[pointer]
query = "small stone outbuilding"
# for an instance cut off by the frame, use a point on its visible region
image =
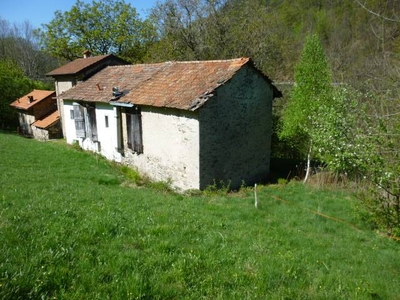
(191, 123)
(38, 115)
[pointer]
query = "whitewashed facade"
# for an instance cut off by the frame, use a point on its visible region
(106, 123)
(170, 147)
(170, 141)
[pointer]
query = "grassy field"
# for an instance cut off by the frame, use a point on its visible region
(71, 227)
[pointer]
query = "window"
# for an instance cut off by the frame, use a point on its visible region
(106, 121)
(85, 121)
(134, 128)
(71, 114)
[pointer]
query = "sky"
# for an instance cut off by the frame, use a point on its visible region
(42, 11)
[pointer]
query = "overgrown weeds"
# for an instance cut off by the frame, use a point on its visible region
(377, 206)
(323, 178)
(133, 178)
(217, 188)
(382, 209)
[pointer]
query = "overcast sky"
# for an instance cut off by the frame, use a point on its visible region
(42, 11)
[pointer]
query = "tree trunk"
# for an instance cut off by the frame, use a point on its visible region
(308, 164)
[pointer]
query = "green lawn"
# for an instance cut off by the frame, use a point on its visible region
(72, 228)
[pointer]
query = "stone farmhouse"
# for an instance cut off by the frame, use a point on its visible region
(190, 123)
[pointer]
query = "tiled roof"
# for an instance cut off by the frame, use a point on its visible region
(98, 88)
(79, 65)
(182, 85)
(38, 95)
(47, 121)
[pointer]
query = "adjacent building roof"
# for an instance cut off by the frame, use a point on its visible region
(181, 85)
(48, 121)
(31, 99)
(82, 64)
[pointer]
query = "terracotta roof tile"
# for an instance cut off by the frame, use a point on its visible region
(182, 85)
(47, 121)
(80, 65)
(38, 95)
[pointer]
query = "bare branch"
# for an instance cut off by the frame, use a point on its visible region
(376, 14)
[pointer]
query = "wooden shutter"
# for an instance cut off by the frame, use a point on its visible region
(137, 132)
(79, 120)
(130, 131)
(92, 123)
(134, 128)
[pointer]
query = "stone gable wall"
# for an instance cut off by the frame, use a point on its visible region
(235, 131)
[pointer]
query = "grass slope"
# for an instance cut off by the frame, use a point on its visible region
(70, 230)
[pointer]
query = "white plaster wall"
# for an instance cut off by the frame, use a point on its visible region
(107, 135)
(170, 143)
(63, 85)
(106, 144)
(69, 132)
(170, 147)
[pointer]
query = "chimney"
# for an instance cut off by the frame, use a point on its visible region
(86, 54)
(30, 99)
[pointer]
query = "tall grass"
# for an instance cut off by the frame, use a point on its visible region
(71, 228)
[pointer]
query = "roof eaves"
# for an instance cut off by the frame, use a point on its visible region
(200, 101)
(47, 125)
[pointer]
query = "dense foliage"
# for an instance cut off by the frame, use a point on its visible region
(13, 84)
(103, 27)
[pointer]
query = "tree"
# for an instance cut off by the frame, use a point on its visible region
(184, 28)
(13, 84)
(104, 27)
(381, 83)
(17, 42)
(221, 29)
(313, 90)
